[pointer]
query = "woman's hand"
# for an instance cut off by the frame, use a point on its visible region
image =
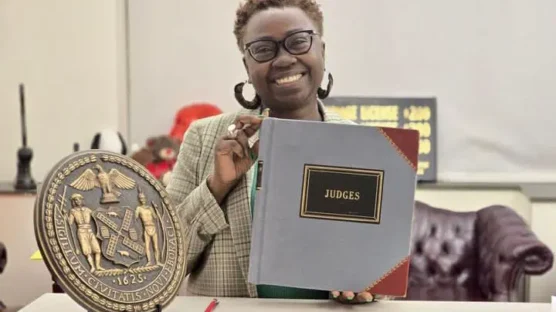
(351, 297)
(233, 156)
(249, 125)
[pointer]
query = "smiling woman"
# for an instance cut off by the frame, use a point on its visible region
(284, 59)
(283, 55)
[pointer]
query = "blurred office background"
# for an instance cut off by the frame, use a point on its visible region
(130, 66)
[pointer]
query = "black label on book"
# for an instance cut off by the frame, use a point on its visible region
(259, 174)
(343, 194)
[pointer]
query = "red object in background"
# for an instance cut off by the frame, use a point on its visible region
(189, 113)
(159, 168)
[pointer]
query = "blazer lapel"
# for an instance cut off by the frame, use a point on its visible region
(239, 215)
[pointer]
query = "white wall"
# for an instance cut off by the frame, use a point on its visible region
(71, 57)
(180, 52)
(490, 63)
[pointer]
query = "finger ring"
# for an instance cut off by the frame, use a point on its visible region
(232, 130)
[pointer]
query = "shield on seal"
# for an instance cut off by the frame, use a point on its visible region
(109, 234)
(116, 229)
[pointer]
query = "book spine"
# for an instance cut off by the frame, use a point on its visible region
(262, 195)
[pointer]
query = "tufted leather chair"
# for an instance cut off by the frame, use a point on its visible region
(472, 256)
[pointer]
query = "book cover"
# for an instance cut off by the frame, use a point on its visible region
(334, 206)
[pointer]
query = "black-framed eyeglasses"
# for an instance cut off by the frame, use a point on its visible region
(297, 43)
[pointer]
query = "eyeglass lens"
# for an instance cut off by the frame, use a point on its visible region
(295, 44)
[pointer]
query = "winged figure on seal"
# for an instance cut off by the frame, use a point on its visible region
(106, 181)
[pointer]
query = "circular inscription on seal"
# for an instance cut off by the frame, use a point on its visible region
(109, 234)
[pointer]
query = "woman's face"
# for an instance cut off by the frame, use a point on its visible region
(284, 80)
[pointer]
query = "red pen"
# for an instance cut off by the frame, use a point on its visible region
(212, 305)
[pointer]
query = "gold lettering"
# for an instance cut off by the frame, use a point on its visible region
(166, 274)
(347, 111)
(424, 128)
(63, 240)
(130, 279)
(422, 167)
(170, 232)
(417, 113)
(94, 283)
(127, 297)
(122, 297)
(114, 294)
(379, 112)
(79, 270)
(153, 289)
(137, 296)
(424, 146)
(103, 289)
(385, 124)
(172, 245)
(73, 259)
(159, 282)
(59, 221)
(75, 264)
(339, 194)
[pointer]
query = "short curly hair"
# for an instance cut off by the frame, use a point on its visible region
(250, 7)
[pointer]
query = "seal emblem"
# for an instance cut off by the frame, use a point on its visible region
(109, 234)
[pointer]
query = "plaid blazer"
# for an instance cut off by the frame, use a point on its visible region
(217, 237)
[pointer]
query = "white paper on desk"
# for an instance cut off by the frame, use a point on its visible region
(553, 309)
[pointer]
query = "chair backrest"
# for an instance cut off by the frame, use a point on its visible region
(443, 255)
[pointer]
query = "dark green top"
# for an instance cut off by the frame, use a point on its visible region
(269, 291)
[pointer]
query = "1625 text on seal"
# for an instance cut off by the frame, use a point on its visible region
(109, 234)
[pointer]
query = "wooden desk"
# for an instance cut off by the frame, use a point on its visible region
(63, 303)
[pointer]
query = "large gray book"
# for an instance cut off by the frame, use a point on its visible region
(334, 206)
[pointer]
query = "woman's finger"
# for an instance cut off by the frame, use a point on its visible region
(347, 295)
(364, 297)
(243, 141)
(249, 123)
(235, 147)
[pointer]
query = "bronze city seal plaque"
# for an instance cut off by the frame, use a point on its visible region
(109, 234)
